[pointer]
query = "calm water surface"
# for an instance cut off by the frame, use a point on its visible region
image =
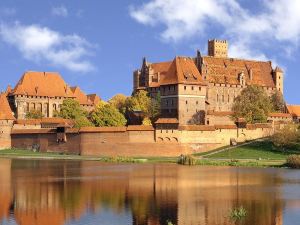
(36, 192)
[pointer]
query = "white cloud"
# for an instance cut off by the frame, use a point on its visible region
(277, 21)
(38, 43)
(60, 11)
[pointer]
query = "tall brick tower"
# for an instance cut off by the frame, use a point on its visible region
(218, 48)
(278, 78)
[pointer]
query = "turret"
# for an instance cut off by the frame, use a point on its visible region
(278, 78)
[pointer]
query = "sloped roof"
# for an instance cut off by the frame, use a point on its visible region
(95, 99)
(161, 69)
(5, 110)
(294, 110)
(42, 84)
(80, 96)
(182, 70)
(227, 70)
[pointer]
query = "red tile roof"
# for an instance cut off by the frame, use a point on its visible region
(139, 128)
(167, 120)
(53, 120)
(33, 131)
(227, 70)
(294, 110)
(42, 84)
(5, 110)
(197, 128)
(95, 99)
(102, 129)
(80, 96)
(225, 126)
(278, 114)
(182, 70)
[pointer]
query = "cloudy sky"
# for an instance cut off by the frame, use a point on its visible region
(97, 44)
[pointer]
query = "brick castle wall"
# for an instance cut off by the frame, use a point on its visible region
(143, 143)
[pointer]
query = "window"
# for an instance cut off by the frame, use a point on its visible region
(222, 98)
(186, 102)
(172, 103)
(167, 103)
(228, 98)
(192, 88)
(217, 97)
(184, 87)
(199, 88)
(197, 102)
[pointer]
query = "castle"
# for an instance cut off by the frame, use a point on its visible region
(45, 92)
(195, 90)
(197, 94)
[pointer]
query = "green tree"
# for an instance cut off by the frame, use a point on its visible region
(253, 104)
(71, 109)
(34, 114)
(278, 102)
(287, 137)
(106, 115)
(141, 101)
(119, 102)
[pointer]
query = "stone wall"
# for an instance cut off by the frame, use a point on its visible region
(5, 131)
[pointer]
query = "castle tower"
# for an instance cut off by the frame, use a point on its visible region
(278, 78)
(218, 48)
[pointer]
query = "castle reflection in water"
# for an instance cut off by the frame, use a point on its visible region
(60, 192)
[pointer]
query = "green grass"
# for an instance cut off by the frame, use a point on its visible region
(241, 163)
(255, 150)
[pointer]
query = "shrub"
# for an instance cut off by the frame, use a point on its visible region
(287, 137)
(187, 160)
(293, 161)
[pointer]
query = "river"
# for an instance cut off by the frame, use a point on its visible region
(42, 192)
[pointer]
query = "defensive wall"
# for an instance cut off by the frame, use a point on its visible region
(144, 141)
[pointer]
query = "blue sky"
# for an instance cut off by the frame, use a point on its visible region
(97, 44)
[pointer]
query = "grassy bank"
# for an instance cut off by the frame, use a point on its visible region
(256, 154)
(28, 154)
(262, 150)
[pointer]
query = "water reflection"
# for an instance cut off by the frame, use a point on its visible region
(71, 192)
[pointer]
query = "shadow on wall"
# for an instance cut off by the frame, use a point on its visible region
(198, 118)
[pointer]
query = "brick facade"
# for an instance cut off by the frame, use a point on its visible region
(212, 81)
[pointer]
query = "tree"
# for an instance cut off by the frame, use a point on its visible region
(253, 104)
(119, 102)
(71, 109)
(287, 137)
(106, 115)
(141, 102)
(34, 114)
(278, 102)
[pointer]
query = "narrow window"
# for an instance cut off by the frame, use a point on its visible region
(192, 88)
(184, 87)
(186, 102)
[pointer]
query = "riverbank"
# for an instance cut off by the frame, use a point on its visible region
(260, 153)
